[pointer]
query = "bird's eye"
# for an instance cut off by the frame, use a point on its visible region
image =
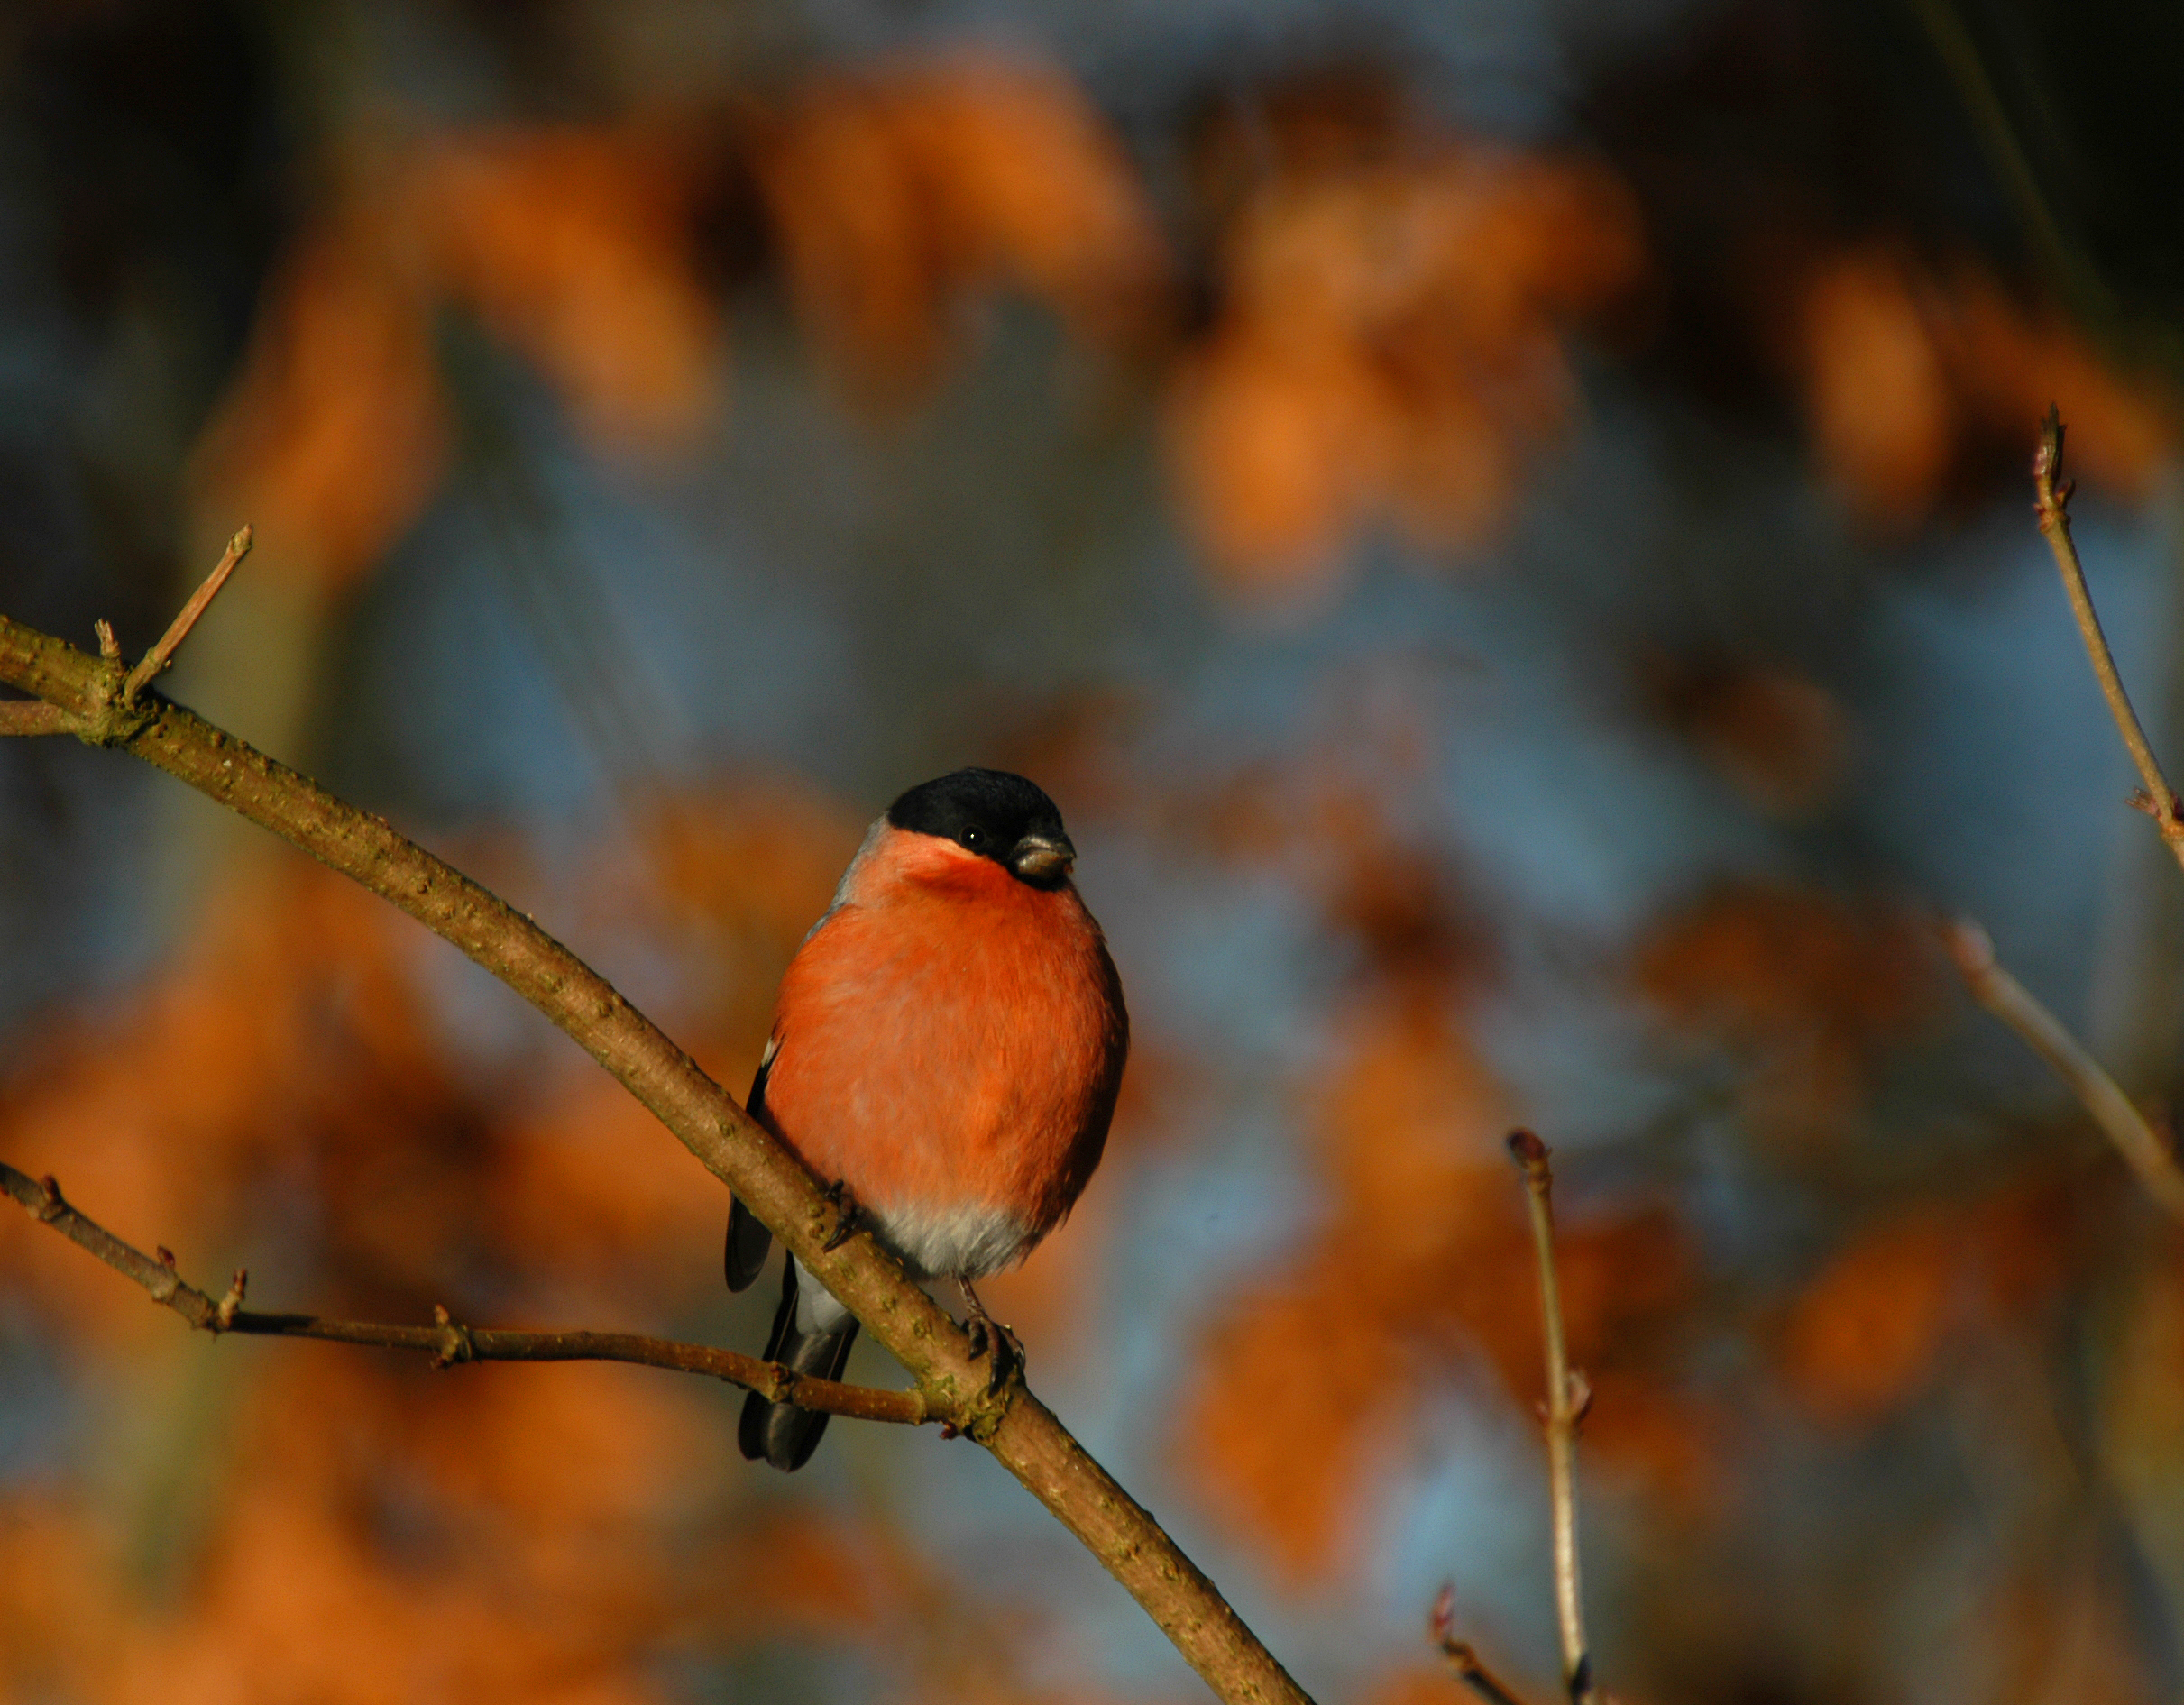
(974, 838)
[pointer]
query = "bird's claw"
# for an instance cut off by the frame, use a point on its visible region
(848, 1217)
(989, 1337)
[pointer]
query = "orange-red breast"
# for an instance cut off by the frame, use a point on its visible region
(947, 1046)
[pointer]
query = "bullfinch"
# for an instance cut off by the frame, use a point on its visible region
(946, 1050)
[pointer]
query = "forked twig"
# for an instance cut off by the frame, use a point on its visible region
(2125, 1125)
(1463, 1659)
(157, 660)
(2052, 493)
(446, 1341)
(1568, 1397)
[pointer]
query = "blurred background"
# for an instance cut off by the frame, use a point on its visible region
(1505, 528)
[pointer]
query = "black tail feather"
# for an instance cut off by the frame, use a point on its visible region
(781, 1432)
(747, 1242)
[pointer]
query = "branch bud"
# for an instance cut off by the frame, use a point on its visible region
(456, 1343)
(225, 1310)
(1441, 1622)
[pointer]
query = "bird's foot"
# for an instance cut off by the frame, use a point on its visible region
(989, 1337)
(849, 1216)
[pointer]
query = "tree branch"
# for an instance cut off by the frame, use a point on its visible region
(447, 1341)
(1568, 1397)
(1020, 1431)
(2052, 492)
(157, 660)
(2112, 1110)
(1462, 1661)
(31, 716)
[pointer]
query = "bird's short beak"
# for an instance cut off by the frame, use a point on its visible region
(1042, 859)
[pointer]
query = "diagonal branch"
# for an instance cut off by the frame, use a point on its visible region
(446, 1341)
(2123, 1124)
(2052, 493)
(1020, 1431)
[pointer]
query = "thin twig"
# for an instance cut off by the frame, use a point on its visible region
(446, 1341)
(1567, 1400)
(2052, 492)
(1463, 1659)
(2125, 1125)
(156, 661)
(1023, 1435)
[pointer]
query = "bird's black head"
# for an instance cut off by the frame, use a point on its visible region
(997, 815)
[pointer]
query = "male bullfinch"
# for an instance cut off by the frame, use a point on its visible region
(947, 1046)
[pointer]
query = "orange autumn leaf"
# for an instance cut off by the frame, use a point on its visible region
(1757, 963)
(2024, 1236)
(1031, 188)
(1410, 1130)
(805, 1572)
(348, 1563)
(509, 1444)
(1907, 369)
(740, 874)
(1307, 1381)
(295, 1601)
(1388, 350)
(1812, 986)
(1301, 1388)
(1773, 733)
(575, 245)
(289, 1591)
(898, 196)
(292, 1010)
(585, 1192)
(1615, 1271)
(846, 202)
(2012, 363)
(1864, 1333)
(334, 432)
(63, 1618)
(1878, 398)
(1864, 1330)
(1291, 1408)
(1279, 450)
(1307, 1386)
(1642, 1428)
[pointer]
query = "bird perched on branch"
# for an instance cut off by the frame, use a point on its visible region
(946, 1050)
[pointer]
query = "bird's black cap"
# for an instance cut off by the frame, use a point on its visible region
(997, 815)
